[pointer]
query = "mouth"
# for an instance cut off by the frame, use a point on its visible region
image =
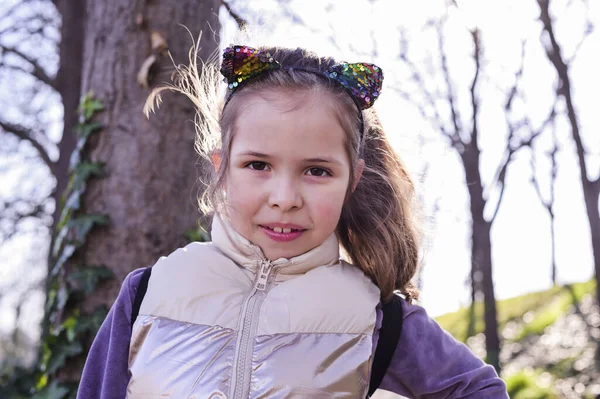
(284, 230)
(282, 233)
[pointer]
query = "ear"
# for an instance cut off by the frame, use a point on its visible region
(216, 159)
(358, 171)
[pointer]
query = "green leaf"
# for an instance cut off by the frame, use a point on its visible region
(46, 356)
(73, 203)
(84, 171)
(64, 256)
(89, 106)
(69, 326)
(80, 226)
(86, 278)
(93, 321)
(42, 382)
(68, 190)
(58, 241)
(52, 391)
(81, 172)
(85, 130)
(50, 300)
(61, 352)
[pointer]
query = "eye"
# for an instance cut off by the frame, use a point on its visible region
(318, 172)
(257, 165)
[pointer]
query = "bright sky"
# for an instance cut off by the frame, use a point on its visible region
(521, 240)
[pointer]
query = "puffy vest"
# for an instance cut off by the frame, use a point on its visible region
(219, 320)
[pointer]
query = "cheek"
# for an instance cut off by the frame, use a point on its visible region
(241, 194)
(328, 207)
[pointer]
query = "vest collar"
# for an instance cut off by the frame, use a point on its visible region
(249, 256)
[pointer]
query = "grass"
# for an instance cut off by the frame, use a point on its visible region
(547, 305)
(527, 385)
(547, 315)
(564, 368)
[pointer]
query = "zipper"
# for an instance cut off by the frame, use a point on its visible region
(248, 325)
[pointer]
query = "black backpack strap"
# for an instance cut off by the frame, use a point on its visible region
(389, 335)
(139, 294)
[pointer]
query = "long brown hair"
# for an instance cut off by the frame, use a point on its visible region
(377, 228)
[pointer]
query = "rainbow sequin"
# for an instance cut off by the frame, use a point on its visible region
(241, 63)
(361, 80)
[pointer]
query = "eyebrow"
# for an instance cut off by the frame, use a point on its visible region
(265, 156)
(254, 154)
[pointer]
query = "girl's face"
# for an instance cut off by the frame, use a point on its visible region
(288, 172)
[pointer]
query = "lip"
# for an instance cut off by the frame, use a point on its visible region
(283, 225)
(282, 237)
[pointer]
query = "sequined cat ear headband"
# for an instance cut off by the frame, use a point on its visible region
(361, 81)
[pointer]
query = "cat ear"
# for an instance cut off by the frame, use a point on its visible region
(362, 81)
(241, 63)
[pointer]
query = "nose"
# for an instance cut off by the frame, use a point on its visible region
(285, 194)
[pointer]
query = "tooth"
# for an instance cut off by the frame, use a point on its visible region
(277, 229)
(286, 230)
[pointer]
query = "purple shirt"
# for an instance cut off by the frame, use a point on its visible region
(428, 363)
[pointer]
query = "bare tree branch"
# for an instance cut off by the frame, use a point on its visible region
(453, 137)
(450, 94)
(435, 121)
(518, 76)
(511, 146)
(555, 56)
(500, 176)
(465, 141)
(501, 182)
(16, 210)
(241, 22)
(553, 173)
(473, 88)
(589, 29)
(38, 72)
(548, 204)
(23, 25)
(26, 135)
(591, 188)
(297, 19)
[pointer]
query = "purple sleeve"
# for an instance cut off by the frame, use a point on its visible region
(430, 364)
(106, 375)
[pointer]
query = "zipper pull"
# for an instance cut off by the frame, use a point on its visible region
(263, 275)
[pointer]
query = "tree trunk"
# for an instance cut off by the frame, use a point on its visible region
(553, 242)
(592, 198)
(474, 289)
(149, 192)
(591, 188)
(68, 82)
(482, 251)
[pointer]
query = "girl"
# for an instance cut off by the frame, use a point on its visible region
(301, 165)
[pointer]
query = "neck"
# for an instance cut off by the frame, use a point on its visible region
(249, 256)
